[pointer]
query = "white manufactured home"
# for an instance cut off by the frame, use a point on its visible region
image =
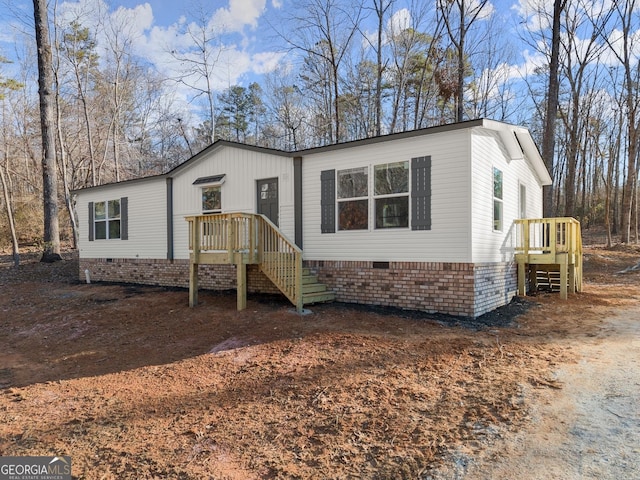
(422, 220)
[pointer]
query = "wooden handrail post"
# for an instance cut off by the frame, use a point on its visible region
(230, 237)
(252, 238)
(298, 277)
(193, 264)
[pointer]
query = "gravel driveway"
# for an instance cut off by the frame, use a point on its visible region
(587, 429)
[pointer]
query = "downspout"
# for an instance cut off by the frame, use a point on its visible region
(170, 218)
(297, 199)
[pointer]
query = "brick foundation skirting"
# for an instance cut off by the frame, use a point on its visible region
(461, 289)
(172, 273)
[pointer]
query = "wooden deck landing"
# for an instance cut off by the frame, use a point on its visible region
(244, 239)
(549, 244)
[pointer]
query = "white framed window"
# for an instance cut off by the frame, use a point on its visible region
(399, 196)
(497, 200)
(106, 220)
(212, 199)
(353, 198)
(391, 195)
(211, 192)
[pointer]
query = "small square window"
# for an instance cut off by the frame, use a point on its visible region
(353, 215)
(211, 199)
(114, 208)
(353, 183)
(392, 212)
(391, 178)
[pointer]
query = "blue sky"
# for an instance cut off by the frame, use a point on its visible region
(158, 28)
(251, 46)
(244, 27)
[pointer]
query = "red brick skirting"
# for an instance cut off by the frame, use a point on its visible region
(462, 289)
(169, 273)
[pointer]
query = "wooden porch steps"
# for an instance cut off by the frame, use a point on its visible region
(313, 291)
(244, 239)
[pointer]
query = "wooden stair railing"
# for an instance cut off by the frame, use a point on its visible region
(280, 261)
(549, 242)
(241, 239)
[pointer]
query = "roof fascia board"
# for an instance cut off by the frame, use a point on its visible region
(107, 186)
(220, 144)
(394, 136)
(518, 139)
(533, 156)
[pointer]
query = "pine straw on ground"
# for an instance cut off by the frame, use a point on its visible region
(131, 383)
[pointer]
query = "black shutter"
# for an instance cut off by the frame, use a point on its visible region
(91, 233)
(421, 193)
(328, 201)
(124, 218)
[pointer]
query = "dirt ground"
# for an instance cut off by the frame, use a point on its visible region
(131, 383)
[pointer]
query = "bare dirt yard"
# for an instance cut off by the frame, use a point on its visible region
(132, 383)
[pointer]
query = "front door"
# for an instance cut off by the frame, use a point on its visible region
(268, 199)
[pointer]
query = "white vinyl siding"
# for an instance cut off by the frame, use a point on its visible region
(146, 220)
(448, 240)
(242, 168)
(490, 245)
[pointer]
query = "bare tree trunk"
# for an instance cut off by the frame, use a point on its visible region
(381, 7)
(634, 211)
(12, 226)
(460, 70)
(63, 152)
(51, 252)
(549, 133)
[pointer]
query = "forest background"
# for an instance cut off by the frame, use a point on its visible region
(133, 99)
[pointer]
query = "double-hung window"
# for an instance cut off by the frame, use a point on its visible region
(497, 200)
(353, 199)
(397, 196)
(391, 193)
(106, 220)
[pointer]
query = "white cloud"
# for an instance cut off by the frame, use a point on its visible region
(486, 10)
(399, 21)
(617, 45)
(139, 18)
(535, 13)
(266, 62)
(531, 63)
(238, 15)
